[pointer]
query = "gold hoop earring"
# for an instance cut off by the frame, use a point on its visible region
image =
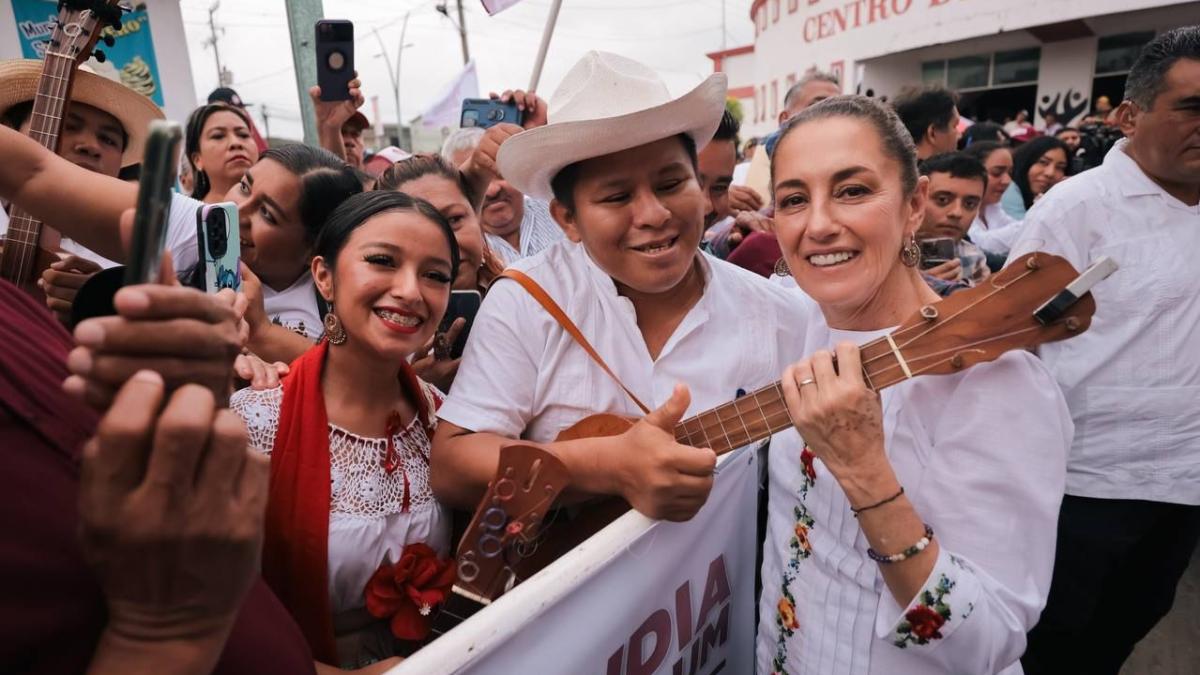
(333, 329)
(910, 253)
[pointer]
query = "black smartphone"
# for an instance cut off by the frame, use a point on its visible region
(936, 251)
(335, 58)
(486, 112)
(153, 201)
(463, 304)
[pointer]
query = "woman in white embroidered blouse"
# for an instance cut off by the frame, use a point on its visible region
(859, 575)
(350, 428)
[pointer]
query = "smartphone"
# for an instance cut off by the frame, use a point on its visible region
(153, 201)
(936, 251)
(486, 112)
(220, 246)
(463, 304)
(335, 58)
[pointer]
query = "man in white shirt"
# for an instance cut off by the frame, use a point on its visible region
(515, 225)
(1131, 518)
(619, 162)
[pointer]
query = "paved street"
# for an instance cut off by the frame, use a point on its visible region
(1174, 646)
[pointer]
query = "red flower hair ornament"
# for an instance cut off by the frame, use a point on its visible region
(406, 592)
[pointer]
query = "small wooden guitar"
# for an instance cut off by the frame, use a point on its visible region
(507, 543)
(29, 247)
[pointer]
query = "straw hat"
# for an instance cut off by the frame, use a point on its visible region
(605, 104)
(19, 81)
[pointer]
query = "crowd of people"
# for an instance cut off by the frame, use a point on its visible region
(268, 480)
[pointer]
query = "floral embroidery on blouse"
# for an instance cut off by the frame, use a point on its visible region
(801, 549)
(924, 620)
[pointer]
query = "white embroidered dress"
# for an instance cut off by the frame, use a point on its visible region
(366, 522)
(982, 457)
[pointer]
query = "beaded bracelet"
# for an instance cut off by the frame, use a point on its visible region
(907, 553)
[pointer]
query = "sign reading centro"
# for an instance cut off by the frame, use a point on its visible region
(833, 17)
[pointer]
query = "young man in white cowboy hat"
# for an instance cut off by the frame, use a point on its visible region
(617, 162)
(103, 130)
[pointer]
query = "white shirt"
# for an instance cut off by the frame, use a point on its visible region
(998, 233)
(538, 230)
(1132, 380)
(981, 455)
(523, 376)
(295, 308)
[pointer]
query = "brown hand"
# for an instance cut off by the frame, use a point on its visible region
(659, 477)
(62, 281)
(183, 334)
(743, 198)
(171, 508)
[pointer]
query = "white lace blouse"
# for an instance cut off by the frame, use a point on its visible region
(366, 524)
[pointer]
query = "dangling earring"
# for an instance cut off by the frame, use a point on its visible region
(781, 268)
(910, 253)
(333, 328)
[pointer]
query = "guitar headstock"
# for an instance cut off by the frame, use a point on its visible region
(79, 25)
(980, 324)
(506, 524)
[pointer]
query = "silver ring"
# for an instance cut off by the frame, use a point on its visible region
(808, 381)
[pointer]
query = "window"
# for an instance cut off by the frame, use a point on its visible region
(1115, 54)
(1019, 66)
(967, 72)
(933, 72)
(983, 71)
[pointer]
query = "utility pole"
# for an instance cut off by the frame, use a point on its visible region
(266, 122)
(462, 33)
(394, 73)
(302, 17)
(461, 25)
(212, 40)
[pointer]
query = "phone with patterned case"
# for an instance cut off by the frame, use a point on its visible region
(219, 239)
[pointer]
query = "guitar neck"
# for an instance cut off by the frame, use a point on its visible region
(26, 233)
(761, 413)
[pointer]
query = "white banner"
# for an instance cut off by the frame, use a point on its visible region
(448, 108)
(641, 597)
(497, 6)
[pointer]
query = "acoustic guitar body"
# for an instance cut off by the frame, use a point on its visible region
(26, 279)
(596, 426)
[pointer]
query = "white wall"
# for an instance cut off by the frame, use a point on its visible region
(1065, 80)
(794, 36)
(170, 51)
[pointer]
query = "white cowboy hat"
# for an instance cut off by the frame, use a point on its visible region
(605, 104)
(19, 82)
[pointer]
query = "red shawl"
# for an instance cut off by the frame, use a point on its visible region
(296, 547)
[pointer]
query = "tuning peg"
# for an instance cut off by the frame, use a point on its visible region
(99, 56)
(109, 40)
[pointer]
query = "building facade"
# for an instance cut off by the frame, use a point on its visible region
(1041, 56)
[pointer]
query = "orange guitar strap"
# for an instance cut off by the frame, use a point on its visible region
(563, 320)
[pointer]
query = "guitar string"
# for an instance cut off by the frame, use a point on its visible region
(925, 357)
(59, 69)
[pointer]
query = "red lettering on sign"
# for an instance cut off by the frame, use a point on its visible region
(657, 625)
(876, 11)
(716, 590)
(683, 612)
(808, 24)
(614, 662)
(716, 634)
(900, 6)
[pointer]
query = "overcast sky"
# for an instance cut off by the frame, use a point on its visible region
(670, 35)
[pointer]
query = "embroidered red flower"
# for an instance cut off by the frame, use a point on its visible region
(802, 536)
(406, 592)
(806, 460)
(925, 622)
